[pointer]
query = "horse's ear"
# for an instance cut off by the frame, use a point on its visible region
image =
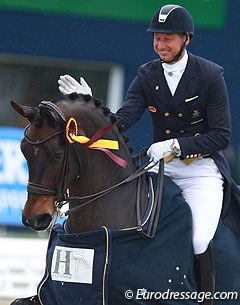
(25, 111)
(50, 116)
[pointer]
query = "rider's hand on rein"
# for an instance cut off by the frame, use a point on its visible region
(163, 149)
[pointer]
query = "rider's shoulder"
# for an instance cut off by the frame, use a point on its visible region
(204, 64)
(150, 66)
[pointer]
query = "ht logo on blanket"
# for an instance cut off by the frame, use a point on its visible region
(73, 265)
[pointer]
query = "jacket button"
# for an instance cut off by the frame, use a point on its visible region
(166, 114)
(187, 156)
(191, 156)
(195, 155)
(167, 131)
(181, 131)
(180, 115)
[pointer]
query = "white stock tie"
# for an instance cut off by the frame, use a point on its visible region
(171, 72)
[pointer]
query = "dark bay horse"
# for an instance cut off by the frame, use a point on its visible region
(75, 153)
(55, 167)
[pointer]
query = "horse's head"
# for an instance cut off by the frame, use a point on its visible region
(54, 164)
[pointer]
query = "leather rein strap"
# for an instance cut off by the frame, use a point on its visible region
(154, 217)
(61, 191)
(140, 175)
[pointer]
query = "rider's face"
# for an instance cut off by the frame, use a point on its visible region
(167, 46)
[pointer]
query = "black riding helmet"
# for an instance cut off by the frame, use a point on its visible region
(172, 19)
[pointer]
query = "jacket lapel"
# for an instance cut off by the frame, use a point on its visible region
(187, 85)
(185, 89)
(160, 88)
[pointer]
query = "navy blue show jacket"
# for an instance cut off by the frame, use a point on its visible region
(198, 115)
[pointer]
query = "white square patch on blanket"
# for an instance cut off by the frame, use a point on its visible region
(73, 265)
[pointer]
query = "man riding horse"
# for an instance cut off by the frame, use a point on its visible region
(187, 98)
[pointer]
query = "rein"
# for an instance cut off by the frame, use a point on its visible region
(139, 172)
(63, 198)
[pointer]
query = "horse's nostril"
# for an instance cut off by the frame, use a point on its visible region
(44, 219)
(38, 223)
(25, 221)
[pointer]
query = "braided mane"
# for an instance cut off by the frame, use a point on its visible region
(98, 104)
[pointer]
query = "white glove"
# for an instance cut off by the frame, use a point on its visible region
(162, 149)
(67, 85)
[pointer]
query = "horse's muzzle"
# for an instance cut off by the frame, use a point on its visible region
(38, 223)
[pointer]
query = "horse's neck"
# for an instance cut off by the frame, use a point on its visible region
(116, 210)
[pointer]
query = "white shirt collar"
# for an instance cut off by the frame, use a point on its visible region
(179, 65)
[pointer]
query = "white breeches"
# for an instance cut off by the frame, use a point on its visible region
(201, 184)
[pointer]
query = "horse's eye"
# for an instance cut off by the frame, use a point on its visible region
(58, 157)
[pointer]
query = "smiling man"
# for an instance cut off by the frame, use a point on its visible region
(187, 98)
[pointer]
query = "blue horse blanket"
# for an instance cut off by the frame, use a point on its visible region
(106, 267)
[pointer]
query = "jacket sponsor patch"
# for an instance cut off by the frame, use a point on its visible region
(152, 109)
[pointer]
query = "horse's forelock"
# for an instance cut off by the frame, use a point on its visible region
(39, 118)
(38, 121)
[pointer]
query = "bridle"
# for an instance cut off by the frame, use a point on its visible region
(36, 188)
(40, 189)
(38, 142)
(61, 194)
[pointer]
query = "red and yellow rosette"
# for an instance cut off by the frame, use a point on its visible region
(95, 142)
